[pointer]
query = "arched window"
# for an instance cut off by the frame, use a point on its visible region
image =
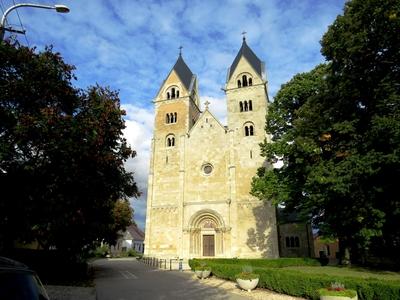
(292, 242)
(173, 93)
(250, 105)
(241, 105)
(239, 84)
(250, 81)
(170, 141)
(248, 129)
(244, 79)
(171, 118)
(246, 108)
(177, 94)
(168, 95)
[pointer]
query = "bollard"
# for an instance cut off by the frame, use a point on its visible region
(180, 265)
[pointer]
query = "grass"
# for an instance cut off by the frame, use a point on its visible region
(347, 272)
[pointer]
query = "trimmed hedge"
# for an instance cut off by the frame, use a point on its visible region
(262, 263)
(304, 284)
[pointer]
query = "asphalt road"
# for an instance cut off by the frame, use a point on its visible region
(130, 279)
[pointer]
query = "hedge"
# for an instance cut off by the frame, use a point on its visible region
(304, 284)
(269, 263)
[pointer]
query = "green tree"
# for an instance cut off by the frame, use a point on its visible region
(61, 154)
(337, 129)
(123, 215)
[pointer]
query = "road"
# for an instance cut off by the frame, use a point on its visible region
(129, 279)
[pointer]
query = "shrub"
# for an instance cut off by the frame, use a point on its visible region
(303, 284)
(247, 273)
(341, 293)
(101, 251)
(270, 263)
(134, 253)
(202, 266)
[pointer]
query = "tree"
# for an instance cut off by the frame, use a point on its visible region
(338, 131)
(61, 154)
(123, 215)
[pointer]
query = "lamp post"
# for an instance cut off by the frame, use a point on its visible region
(58, 7)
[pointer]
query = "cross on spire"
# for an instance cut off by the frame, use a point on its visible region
(180, 50)
(244, 35)
(206, 104)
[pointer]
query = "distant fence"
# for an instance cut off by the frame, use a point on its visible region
(164, 263)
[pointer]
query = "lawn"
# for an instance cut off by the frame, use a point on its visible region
(347, 272)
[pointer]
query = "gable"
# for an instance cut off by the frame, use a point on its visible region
(207, 124)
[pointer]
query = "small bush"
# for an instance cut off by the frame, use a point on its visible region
(247, 276)
(134, 253)
(101, 251)
(202, 266)
(341, 293)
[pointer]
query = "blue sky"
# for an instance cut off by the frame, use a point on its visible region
(131, 46)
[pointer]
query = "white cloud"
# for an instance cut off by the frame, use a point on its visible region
(138, 133)
(217, 107)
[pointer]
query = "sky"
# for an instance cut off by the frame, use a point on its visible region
(130, 46)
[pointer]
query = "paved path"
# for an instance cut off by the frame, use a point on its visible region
(129, 279)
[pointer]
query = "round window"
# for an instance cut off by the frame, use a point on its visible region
(207, 169)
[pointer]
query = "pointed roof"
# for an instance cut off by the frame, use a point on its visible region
(135, 232)
(247, 53)
(183, 71)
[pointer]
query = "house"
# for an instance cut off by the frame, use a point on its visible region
(134, 238)
(131, 238)
(295, 235)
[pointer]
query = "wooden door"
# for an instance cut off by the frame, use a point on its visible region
(208, 245)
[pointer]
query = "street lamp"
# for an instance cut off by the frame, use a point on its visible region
(58, 7)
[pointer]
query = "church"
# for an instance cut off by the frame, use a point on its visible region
(198, 202)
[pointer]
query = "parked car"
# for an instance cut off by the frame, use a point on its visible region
(18, 282)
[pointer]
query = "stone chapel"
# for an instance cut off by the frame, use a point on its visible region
(198, 202)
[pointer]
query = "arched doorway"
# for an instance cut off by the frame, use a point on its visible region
(206, 234)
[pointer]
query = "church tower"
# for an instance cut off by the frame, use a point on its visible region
(199, 202)
(176, 110)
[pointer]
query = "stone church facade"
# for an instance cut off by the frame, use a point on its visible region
(198, 202)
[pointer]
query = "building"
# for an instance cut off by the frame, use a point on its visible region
(326, 247)
(134, 238)
(295, 235)
(198, 201)
(131, 238)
